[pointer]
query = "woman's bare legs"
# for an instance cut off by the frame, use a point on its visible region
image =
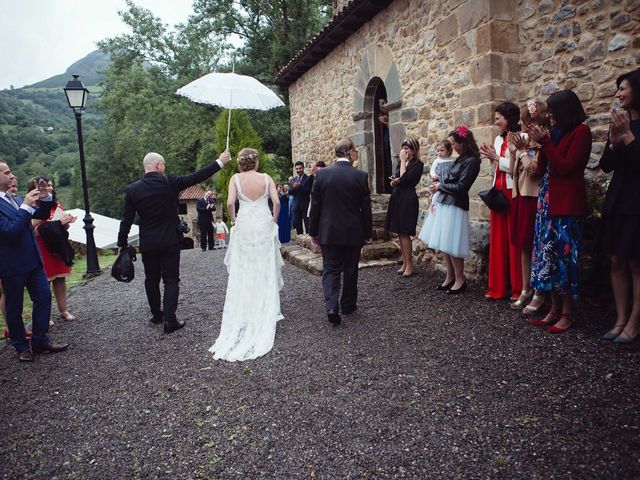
(406, 247)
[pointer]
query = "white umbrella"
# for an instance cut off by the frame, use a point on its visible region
(231, 91)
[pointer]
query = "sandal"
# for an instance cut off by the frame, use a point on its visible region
(528, 310)
(67, 317)
(524, 297)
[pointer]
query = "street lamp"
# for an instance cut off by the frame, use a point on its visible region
(77, 96)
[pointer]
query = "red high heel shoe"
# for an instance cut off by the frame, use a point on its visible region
(556, 329)
(552, 317)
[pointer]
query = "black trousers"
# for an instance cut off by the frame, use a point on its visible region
(206, 235)
(340, 260)
(162, 263)
(298, 220)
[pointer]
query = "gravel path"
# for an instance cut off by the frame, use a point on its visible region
(417, 384)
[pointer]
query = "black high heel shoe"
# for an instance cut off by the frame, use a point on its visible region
(446, 287)
(457, 291)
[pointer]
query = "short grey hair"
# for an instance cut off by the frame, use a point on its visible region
(343, 147)
(151, 159)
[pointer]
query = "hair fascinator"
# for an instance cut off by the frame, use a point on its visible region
(462, 131)
(533, 108)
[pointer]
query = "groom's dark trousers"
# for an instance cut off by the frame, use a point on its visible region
(341, 220)
(155, 199)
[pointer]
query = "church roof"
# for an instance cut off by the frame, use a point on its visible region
(192, 193)
(346, 22)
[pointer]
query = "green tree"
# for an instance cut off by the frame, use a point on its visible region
(241, 135)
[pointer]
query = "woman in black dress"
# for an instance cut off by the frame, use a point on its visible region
(622, 208)
(402, 214)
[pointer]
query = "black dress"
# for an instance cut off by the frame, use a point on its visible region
(621, 219)
(402, 214)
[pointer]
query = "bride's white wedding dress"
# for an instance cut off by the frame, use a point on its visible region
(252, 302)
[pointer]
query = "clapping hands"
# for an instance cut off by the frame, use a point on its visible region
(489, 152)
(516, 141)
(620, 126)
(66, 219)
(537, 133)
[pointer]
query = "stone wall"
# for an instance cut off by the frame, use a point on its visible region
(446, 62)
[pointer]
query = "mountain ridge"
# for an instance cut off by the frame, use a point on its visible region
(89, 68)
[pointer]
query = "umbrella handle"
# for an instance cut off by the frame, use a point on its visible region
(228, 126)
(233, 70)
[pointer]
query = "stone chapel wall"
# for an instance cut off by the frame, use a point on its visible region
(454, 61)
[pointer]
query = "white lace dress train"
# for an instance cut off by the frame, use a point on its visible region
(252, 302)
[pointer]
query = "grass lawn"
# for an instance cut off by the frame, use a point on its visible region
(79, 269)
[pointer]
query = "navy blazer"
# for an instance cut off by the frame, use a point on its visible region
(341, 206)
(19, 251)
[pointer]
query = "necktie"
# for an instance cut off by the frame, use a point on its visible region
(12, 200)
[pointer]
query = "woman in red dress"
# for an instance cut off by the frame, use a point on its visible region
(505, 267)
(55, 269)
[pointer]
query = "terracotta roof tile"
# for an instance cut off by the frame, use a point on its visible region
(192, 193)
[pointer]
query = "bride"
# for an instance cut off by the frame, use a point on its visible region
(253, 260)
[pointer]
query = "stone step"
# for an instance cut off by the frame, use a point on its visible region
(302, 254)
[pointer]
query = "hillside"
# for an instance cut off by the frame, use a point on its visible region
(37, 127)
(89, 68)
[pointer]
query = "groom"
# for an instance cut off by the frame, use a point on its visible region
(340, 221)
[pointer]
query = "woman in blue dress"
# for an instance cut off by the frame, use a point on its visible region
(284, 220)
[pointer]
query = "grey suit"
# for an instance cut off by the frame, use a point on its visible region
(341, 219)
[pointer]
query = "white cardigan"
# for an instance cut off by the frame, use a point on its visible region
(503, 163)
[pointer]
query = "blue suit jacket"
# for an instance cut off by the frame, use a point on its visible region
(19, 251)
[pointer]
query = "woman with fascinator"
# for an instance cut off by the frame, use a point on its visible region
(450, 230)
(523, 162)
(402, 213)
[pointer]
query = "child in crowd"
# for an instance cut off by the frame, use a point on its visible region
(439, 170)
(221, 233)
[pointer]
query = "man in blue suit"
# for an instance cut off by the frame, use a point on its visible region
(21, 267)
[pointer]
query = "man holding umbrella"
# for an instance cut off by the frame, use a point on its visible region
(155, 199)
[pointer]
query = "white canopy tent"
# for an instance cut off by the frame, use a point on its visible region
(105, 233)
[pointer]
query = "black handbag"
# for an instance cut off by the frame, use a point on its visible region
(122, 269)
(494, 199)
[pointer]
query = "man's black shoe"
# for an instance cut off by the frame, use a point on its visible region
(156, 320)
(50, 348)
(350, 310)
(25, 356)
(334, 318)
(173, 326)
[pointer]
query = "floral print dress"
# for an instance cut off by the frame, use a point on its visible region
(557, 248)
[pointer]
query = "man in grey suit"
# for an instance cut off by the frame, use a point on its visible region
(340, 221)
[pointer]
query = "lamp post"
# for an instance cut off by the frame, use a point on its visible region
(77, 96)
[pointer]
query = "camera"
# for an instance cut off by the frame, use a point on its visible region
(182, 226)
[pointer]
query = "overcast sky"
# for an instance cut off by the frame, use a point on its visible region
(41, 38)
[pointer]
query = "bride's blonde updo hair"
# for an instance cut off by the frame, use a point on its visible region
(247, 159)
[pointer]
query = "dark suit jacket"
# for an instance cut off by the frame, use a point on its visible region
(19, 252)
(341, 206)
(154, 197)
(204, 214)
(302, 194)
